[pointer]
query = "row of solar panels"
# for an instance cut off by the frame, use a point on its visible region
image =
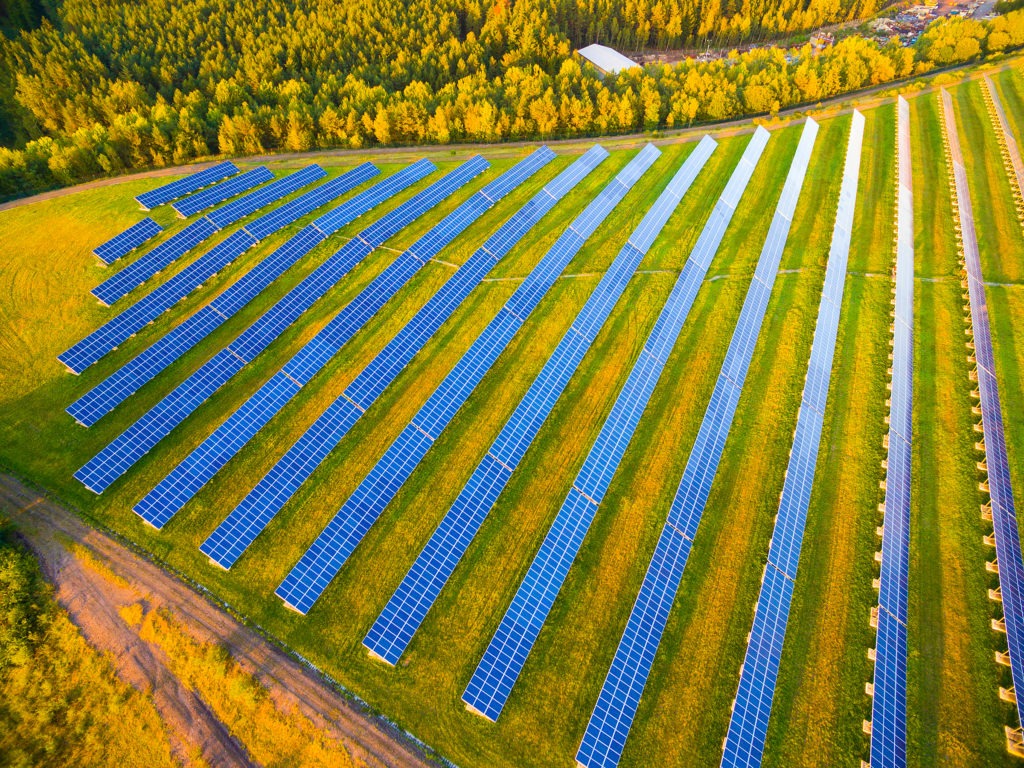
(391, 633)
(748, 724)
(1007, 142)
(1002, 505)
(137, 234)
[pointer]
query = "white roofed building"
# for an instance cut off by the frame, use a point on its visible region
(606, 59)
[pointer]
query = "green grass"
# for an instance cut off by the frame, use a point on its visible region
(47, 271)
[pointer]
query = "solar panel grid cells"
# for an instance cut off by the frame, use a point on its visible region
(454, 390)
(888, 709)
(127, 241)
(149, 264)
(616, 707)
(748, 725)
(140, 441)
(271, 193)
(444, 550)
(345, 214)
(327, 342)
(1002, 504)
(1012, 149)
(126, 380)
(190, 183)
(208, 198)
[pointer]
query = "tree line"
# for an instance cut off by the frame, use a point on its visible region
(107, 87)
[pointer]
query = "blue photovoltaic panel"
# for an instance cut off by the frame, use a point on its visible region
(264, 196)
(321, 562)
(138, 272)
(132, 444)
(748, 725)
(126, 380)
(127, 241)
(889, 703)
(1006, 135)
(190, 183)
(259, 507)
(393, 630)
(1003, 506)
(207, 459)
(496, 674)
(116, 330)
(147, 265)
(613, 715)
(208, 198)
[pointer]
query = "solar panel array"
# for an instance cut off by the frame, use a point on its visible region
(137, 440)
(613, 715)
(498, 670)
(889, 707)
(190, 183)
(1007, 144)
(324, 558)
(127, 241)
(748, 725)
(218, 193)
(246, 522)
(129, 321)
(1003, 506)
(393, 630)
(113, 390)
(136, 273)
(213, 453)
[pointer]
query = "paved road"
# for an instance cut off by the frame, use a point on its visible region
(93, 600)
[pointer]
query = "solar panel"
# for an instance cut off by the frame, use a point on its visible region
(113, 390)
(321, 562)
(260, 506)
(116, 330)
(1007, 142)
(190, 183)
(207, 459)
(218, 193)
(127, 241)
(519, 628)
(889, 705)
(617, 703)
(137, 440)
(138, 272)
(1000, 488)
(271, 193)
(393, 630)
(748, 725)
(147, 265)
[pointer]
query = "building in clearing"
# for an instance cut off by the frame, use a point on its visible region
(606, 59)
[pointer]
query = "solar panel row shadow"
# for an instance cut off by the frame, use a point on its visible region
(324, 558)
(218, 193)
(127, 241)
(547, 572)
(213, 453)
(181, 187)
(126, 380)
(609, 725)
(748, 725)
(1001, 499)
(393, 630)
(246, 522)
(139, 271)
(139, 438)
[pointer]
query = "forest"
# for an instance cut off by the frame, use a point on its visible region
(98, 88)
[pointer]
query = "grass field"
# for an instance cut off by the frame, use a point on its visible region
(955, 715)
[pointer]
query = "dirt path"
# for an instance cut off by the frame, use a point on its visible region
(93, 600)
(826, 108)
